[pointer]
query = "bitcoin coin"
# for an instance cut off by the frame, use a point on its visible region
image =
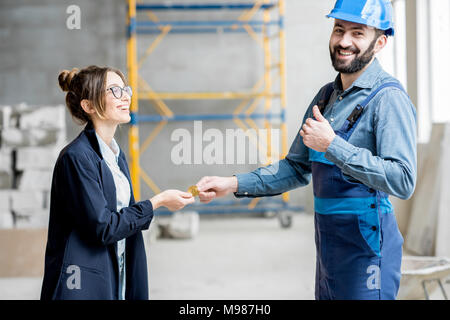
(193, 190)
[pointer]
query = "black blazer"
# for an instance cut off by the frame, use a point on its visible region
(84, 227)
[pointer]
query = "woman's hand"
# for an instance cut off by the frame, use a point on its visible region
(172, 199)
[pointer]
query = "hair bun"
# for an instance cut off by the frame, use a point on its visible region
(65, 78)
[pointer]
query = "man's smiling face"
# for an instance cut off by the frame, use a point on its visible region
(352, 46)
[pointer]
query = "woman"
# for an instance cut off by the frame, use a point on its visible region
(95, 248)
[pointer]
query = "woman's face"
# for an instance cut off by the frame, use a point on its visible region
(117, 110)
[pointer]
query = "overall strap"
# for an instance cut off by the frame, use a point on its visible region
(357, 112)
(326, 90)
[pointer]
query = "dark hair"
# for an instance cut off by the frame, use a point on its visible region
(88, 83)
(379, 32)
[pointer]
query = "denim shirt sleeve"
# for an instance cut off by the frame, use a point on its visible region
(292, 172)
(393, 168)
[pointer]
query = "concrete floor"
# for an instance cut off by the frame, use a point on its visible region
(230, 258)
(236, 258)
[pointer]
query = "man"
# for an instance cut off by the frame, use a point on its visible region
(358, 141)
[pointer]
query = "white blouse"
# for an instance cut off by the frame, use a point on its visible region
(123, 192)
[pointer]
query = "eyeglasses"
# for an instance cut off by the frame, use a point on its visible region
(118, 91)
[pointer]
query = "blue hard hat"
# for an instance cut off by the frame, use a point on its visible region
(374, 13)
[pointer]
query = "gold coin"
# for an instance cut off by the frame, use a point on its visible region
(193, 190)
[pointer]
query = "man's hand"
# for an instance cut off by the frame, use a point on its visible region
(212, 187)
(317, 134)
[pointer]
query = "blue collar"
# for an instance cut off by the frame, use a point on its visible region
(89, 132)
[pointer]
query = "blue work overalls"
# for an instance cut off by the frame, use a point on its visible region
(359, 246)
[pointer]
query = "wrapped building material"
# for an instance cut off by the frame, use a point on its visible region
(35, 180)
(42, 158)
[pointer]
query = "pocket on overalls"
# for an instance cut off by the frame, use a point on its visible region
(389, 227)
(369, 229)
(344, 238)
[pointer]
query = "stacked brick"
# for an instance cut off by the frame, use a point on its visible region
(31, 138)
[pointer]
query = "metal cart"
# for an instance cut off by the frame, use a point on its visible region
(422, 275)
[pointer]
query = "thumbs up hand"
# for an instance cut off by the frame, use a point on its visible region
(317, 134)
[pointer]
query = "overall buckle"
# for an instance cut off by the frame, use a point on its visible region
(354, 116)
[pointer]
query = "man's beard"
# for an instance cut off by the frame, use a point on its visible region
(358, 63)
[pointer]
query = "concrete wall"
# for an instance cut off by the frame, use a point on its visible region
(35, 45)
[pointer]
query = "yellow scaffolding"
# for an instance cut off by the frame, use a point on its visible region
(262, 90)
